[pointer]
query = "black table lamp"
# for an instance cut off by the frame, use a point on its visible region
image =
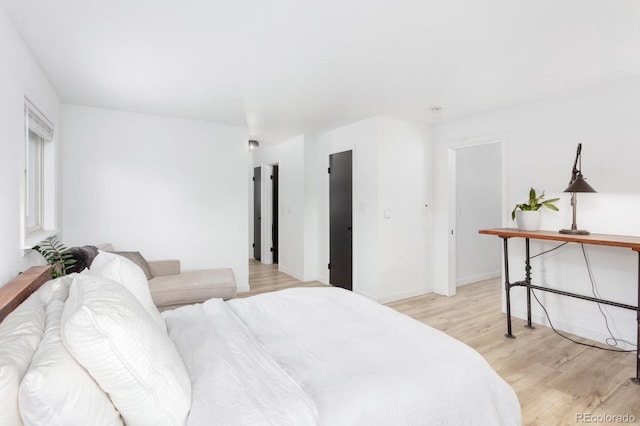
(577, 184)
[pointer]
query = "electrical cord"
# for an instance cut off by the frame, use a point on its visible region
(569, 338)
(550, 250)
(595, 294)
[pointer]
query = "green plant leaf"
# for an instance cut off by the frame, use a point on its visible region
(532, 196)
(513, 213)
(535, 203)
(56, 254)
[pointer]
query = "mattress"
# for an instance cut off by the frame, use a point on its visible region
(328, 356)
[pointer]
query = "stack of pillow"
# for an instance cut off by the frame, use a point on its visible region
(91, 348)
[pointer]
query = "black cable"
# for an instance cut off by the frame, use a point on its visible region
(597, 296)
(569, 338)
(593, 290)
(550, 250)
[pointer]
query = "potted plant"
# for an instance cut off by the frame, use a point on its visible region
(56, 254)
(528, 215)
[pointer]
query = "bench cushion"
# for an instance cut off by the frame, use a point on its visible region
(192, 287)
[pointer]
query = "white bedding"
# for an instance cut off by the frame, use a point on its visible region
(326, 355)
(234, 380)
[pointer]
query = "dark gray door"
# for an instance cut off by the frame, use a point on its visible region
(274, 227)
(257, 209)
(340, 220)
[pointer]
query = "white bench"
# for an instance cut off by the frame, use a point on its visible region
(171, 288)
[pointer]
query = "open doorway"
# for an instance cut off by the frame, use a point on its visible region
(477, 201)
(266, 219)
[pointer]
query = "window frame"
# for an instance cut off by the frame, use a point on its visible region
(39, 199)
(37, 122)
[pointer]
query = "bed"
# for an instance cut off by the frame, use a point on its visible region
(91, 348)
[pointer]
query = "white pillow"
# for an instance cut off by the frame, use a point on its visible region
(20, 333)
(111, 335)
(127, 273)
(56, 390)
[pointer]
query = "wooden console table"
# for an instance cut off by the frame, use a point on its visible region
(623, 241)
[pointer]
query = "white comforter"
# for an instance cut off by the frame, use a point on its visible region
(327, 356)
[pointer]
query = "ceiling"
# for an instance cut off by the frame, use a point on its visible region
(287, 67)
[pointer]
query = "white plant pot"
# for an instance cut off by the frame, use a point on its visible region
(528, 220)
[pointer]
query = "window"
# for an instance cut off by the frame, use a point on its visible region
(38, 173)
(34, 173)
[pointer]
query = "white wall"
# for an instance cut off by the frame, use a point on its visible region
(478, 205)
(250, 199)
(403, 186)
(290, 157)
(391, 171)
(541, 138)
(20, 76)
(169, 188)
(361, 138)
(313, 173)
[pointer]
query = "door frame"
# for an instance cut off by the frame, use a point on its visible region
(452, 208)
(267, 213)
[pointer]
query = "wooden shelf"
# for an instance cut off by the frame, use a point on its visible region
(623, 241)
(595, 239)
(18, 289)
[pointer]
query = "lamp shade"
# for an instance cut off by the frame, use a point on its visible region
(579, 185)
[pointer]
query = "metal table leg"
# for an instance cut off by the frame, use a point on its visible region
(527, 279)
(636, 379)
(507, 287)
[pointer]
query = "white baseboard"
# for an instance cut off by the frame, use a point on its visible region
(393, 297)
(478, 277)
(365, 294)
(291, 272)
(403, 295)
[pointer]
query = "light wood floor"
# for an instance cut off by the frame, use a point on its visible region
(555, 380)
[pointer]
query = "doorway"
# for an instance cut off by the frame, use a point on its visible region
(257, 213)
(477, 187)
(341, 220)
